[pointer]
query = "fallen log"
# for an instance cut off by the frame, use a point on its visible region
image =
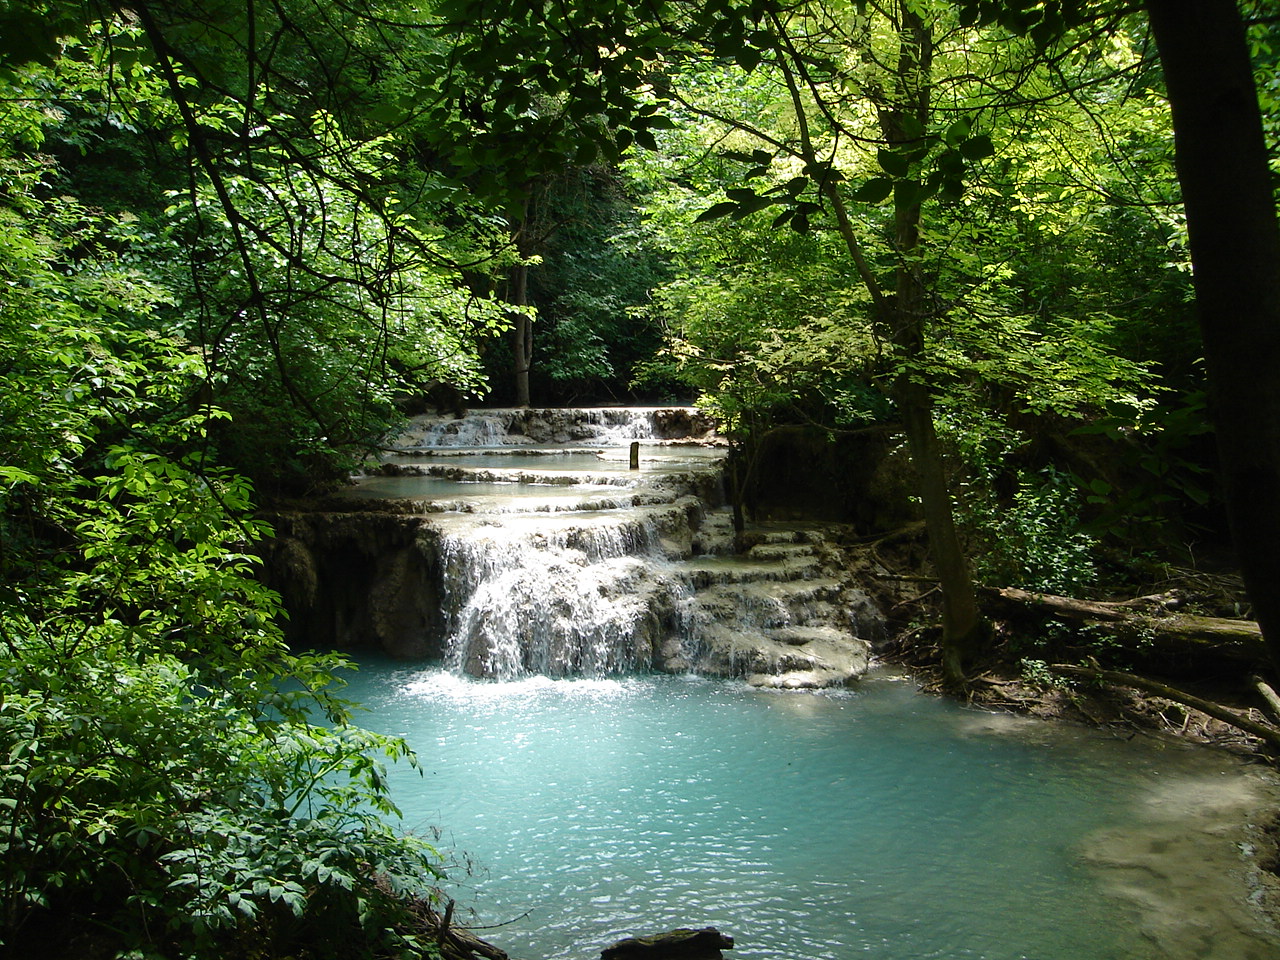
(453, 942)
(1142, 618)
(1216, 710)
(1268, 695)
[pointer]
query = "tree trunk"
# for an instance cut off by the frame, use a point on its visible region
(963, 629)
(1235, 251)
(904, 314)
(522, 333)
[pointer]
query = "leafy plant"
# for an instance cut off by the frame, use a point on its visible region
(1037, 539)
(175, 782)
(335, 303)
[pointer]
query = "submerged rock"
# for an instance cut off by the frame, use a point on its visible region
(680, 944)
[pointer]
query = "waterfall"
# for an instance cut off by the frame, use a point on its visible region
(521, 426)
(524, 598)
(538, 551)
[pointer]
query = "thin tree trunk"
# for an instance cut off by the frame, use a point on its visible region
(522, 336)
(1235, 251)
(963, 628)
(904, 314)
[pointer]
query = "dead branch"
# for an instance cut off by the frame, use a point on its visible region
(1216, 710)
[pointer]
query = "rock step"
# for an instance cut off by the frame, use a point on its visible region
(798, 636)
(703, 610)
(831, 657)
(783, 592)
(794, 533)
(705, 572)
(715, 535)
(781, 551)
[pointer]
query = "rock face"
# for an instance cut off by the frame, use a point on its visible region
(569, 563)
(801, 472)
(366, 579)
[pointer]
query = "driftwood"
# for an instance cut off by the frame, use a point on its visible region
(1142, 618)
(455, 943)
(1216, 710)
(681, 944)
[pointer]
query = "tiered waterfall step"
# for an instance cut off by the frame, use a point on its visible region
(773, 613)
(527, 551)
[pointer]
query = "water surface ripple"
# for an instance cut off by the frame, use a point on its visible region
(869, 823)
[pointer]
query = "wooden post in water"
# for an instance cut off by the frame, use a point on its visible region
(635, 454)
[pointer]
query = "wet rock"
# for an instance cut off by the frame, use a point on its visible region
(801, 680)
(357, 579)
(680, 944)
(679, 423)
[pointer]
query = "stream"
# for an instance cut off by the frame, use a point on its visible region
(606, 750)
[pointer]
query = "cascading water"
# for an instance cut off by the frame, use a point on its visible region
(552, 602)
(552, 556)
(518, 426)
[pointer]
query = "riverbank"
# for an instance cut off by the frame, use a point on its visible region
(1212, 846)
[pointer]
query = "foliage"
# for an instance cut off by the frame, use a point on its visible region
(174, 780)
(989, 232)
(1023, 267)
(308, 322)
(591, 283)
(1037, 539)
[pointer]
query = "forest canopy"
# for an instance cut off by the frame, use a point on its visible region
(239, 241)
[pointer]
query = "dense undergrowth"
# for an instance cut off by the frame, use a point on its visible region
(174, 782)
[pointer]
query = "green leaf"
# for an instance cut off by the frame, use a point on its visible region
(753, 205)
(874, 190)
(911, 128)
(722, 209)
(892, 163)
(908, 193)
(976, 148)
(957, 132)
